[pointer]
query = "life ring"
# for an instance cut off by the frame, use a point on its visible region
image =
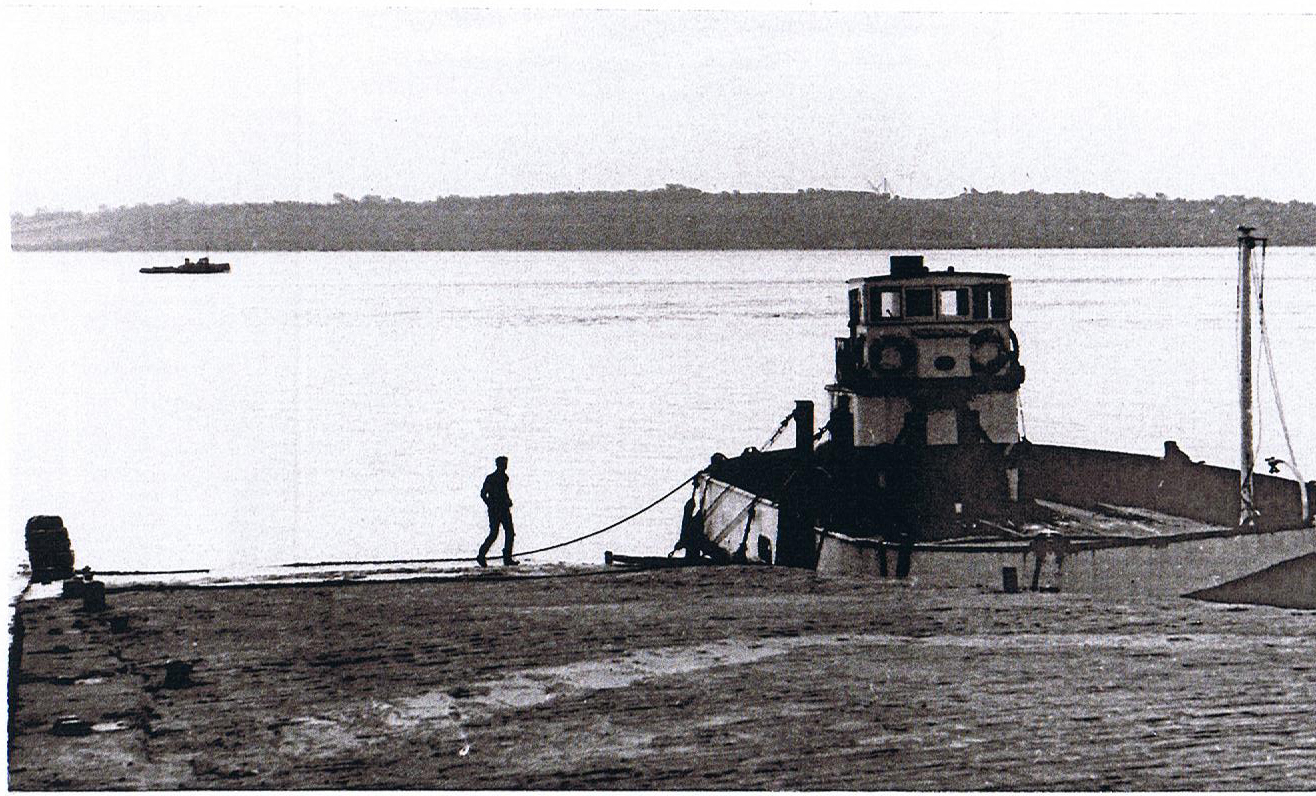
(981, 358)
(902, 356)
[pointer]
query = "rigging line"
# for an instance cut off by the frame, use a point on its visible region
(826, 429)
(604, 529)
(1270, 368)
(780, 428)
(708, 508)
(741, 552)
(735, 519)
(717, 537)
(1258, 279)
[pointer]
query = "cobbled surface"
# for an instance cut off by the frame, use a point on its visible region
(711, 678)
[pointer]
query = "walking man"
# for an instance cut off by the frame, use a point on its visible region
(495, 497)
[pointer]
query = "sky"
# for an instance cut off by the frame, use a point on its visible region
(116, 105)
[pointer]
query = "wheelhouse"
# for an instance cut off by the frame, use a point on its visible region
(925, 343)
(946, 297)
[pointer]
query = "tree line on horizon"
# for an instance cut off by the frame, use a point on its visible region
(675, 217)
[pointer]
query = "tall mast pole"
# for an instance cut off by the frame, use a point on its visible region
(1247, 513)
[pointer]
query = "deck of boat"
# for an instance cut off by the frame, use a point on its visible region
(1093, 521)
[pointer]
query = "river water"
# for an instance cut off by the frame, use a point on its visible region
(313, 406)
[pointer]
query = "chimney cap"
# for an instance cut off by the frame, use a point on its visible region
(908, 265)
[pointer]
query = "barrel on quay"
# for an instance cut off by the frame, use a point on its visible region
(49, 552)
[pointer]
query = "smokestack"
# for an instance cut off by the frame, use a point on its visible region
(904, 265)
(804, 427)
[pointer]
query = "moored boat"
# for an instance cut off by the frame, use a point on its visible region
(201, 266)
(925, 475)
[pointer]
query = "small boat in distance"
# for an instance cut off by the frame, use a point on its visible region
(201, 266)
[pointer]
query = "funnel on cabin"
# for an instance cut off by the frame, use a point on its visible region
(905, 265)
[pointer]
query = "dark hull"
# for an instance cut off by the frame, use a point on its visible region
(1202, 565)
(1096, 521)
(212, 268)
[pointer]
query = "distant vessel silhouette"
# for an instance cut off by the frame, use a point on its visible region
(201, 266)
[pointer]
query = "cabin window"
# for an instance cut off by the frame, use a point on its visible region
(918, 302)
(884, 305)
(854, 307)
(953, 302)
(990, 302)
(890, 304)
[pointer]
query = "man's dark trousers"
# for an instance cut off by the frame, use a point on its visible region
(499, 515)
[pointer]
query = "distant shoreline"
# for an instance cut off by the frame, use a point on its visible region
(675, 218)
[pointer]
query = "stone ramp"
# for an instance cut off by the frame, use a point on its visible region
(1288, 584)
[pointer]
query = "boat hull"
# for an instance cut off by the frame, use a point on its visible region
(1173, 569)
(212, 268)
(1069, 519)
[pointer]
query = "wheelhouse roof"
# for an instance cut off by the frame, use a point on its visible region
(930, 278)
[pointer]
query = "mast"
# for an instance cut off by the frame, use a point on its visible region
(1247, 512)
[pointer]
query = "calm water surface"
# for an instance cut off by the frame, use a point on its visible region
(323, 406)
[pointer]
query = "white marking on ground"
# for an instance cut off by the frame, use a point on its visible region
(440, 711)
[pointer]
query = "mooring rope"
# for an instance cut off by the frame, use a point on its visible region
(625, 519)
(128, 572)
(466, 559)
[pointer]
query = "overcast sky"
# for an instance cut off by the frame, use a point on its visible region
(124, 105)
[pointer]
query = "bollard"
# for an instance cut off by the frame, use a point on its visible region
(93, 596)
(1010, 580)
(73, 589)
(178, 674)
(803, 415)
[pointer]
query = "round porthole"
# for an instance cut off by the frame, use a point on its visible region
(892, 354)
(944, 363)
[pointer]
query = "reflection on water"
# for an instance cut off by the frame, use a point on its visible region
(337, 406)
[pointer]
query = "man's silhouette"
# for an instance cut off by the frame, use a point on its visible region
(495, 497)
